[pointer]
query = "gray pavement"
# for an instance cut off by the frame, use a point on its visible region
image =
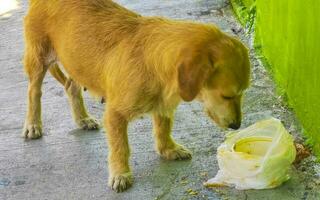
(68, 163)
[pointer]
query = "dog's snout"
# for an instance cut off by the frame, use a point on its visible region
(235, 126)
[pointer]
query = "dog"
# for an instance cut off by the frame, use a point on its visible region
(138, 64)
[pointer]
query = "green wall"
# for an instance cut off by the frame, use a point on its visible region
(287, 32)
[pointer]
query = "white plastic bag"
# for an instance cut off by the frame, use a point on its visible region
(257, 157)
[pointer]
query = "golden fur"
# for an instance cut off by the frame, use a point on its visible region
(138, 64)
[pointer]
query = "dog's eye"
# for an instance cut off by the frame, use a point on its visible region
(227, 97)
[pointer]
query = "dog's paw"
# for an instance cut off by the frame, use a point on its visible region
(88, 123)
(177, 153)
(120, 183)
(32, 131)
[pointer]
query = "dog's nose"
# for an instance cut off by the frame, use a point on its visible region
(235, 126)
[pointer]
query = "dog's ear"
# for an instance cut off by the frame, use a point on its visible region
(192, 73)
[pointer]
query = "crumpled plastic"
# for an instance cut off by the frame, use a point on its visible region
(258, 157)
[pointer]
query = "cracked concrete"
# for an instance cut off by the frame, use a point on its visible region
(68, 163)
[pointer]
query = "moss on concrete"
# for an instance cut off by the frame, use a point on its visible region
(287, 33)
(245, 10)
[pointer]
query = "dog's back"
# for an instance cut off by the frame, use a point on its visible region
(74, 31)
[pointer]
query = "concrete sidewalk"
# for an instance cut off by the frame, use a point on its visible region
(68, 163)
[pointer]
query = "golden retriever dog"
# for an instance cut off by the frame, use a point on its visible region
(138, 64)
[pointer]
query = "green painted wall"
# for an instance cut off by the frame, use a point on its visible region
(287, 32)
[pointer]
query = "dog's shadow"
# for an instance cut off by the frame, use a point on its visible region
(82, 135)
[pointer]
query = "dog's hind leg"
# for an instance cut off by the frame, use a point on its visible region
(74, 92)
(35, 68)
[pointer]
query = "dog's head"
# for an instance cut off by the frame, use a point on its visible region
(216, 73)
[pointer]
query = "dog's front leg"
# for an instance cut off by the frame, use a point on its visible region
(120, 177)
(165, 144)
